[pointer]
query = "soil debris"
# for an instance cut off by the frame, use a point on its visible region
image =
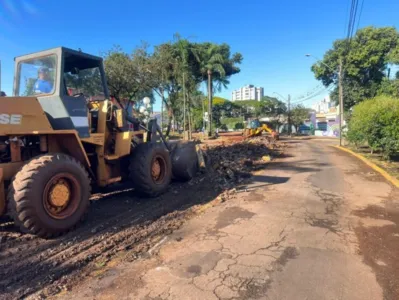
(233, 164)
(122, 226)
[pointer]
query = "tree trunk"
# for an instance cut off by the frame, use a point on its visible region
(203, 115)
(209, 102)
(184, 106)
(175, 124)
(189, 118)
(170, 117)
(162, 101)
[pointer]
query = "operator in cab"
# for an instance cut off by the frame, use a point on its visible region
(42, 84)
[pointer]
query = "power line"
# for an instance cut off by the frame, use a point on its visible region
(346, 17)
(310, 92)
(360, 15)
(326, 90)
(352, 21)
(350, 25)
(314, 92)
(354, 17)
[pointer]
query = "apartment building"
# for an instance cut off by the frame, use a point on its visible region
(248, 92)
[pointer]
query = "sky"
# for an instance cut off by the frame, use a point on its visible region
(272, 36)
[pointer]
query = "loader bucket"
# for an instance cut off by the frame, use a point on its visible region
(185, 159)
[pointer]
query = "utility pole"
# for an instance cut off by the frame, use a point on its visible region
(209, 103)
(289, 114)
(341, 101)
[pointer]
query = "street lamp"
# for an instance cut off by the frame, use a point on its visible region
(341, 96)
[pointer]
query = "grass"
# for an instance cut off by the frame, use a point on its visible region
(392, 166)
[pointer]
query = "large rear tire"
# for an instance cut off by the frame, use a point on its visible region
(150, 169)
(49, 195)
(184, 161)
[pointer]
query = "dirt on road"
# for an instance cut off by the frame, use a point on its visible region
(119, 225)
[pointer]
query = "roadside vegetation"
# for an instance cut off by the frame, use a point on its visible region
(370, 90)
(177, 72)
(373, 131)
(174, 72)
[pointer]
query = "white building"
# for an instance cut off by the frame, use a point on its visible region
(323, 106)
(248, 92)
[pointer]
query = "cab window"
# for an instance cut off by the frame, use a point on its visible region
(83, 78)
(36, 76)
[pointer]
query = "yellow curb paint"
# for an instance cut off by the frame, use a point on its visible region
(376, 168)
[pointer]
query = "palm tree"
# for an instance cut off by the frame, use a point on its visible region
(210, 61)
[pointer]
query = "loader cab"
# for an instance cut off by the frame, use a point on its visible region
(64, 81)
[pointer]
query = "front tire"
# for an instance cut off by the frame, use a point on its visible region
(150, 169)
(49, 195)
(184, 161)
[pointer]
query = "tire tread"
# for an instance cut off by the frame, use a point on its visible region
(20, 209)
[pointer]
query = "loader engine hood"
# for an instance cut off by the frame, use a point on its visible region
(21, 115)
(29, 114)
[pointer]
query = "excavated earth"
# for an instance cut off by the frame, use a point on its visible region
(121, 225)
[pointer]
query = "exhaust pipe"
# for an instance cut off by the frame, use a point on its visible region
(2, 94)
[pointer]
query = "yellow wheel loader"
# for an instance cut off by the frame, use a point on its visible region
(60, 134)
(254, 128)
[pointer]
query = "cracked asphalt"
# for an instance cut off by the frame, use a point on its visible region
(316, 224)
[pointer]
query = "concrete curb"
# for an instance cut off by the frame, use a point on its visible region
(376, 168)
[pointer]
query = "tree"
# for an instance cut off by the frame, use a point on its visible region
(267, 107)
(162, 71)
(173, 71)
(126, 74)
(364, 60)
(216, 65)
(298, 115)
(275, 109)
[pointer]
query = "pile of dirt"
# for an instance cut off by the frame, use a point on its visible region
(233, 164)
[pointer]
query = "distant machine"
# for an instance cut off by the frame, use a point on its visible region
(254, 128)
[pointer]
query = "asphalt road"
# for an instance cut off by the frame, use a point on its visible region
(316, 224)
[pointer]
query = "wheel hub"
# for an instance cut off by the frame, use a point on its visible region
(59, 193)
(156, 169)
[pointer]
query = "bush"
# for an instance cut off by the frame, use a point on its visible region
(376, 122)
(224, 127)
(239, 126)
(233, 123)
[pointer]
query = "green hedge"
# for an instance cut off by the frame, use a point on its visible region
(232, 123)
(376, 122)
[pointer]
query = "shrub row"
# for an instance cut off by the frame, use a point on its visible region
(376, 122)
